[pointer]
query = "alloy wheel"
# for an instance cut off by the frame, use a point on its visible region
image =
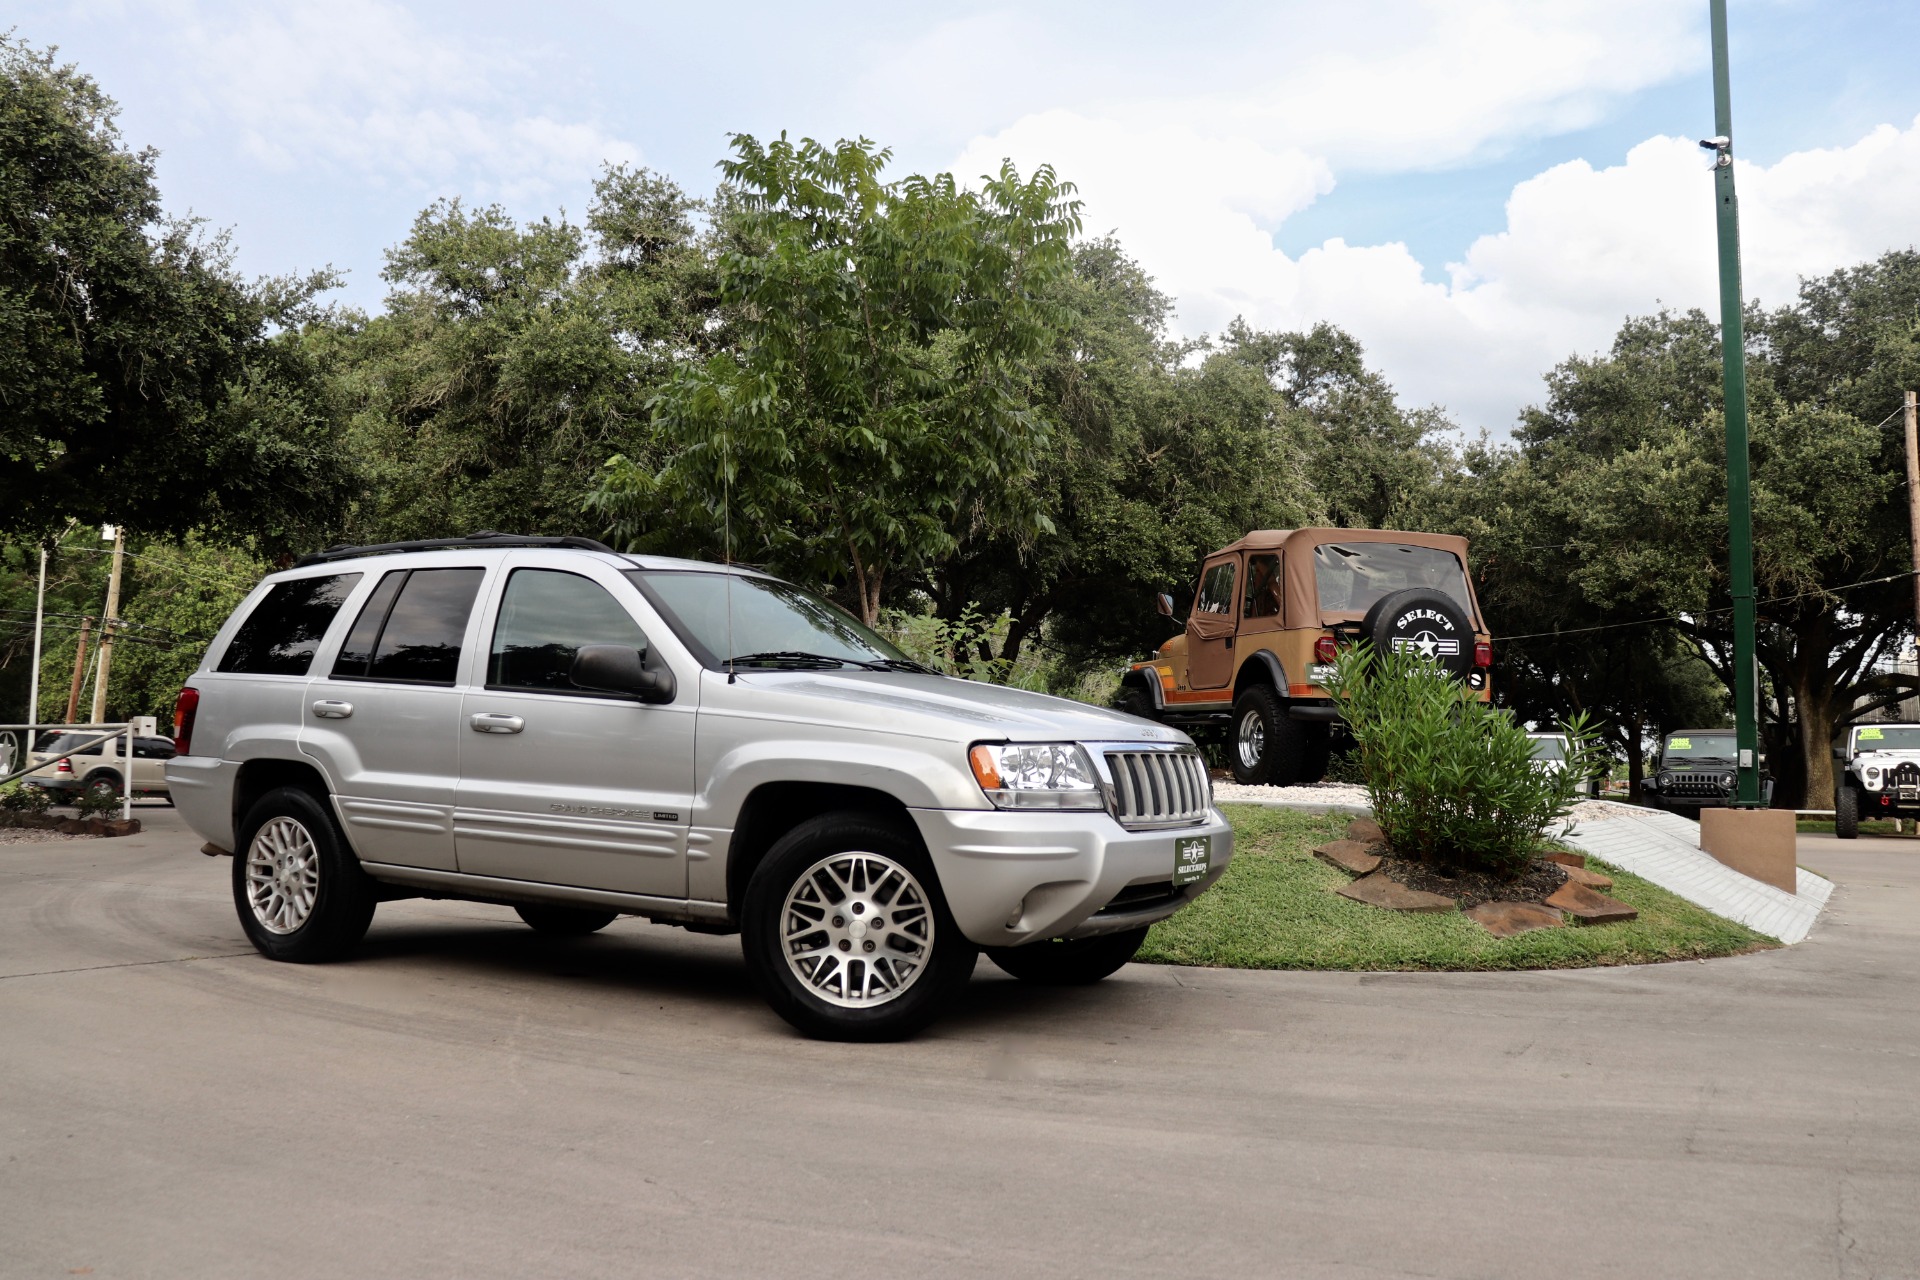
(857, 930)
(283, 875)
(1251, 742)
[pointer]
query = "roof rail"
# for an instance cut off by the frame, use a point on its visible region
(484, 538)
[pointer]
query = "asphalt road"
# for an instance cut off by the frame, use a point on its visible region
(466, 1099)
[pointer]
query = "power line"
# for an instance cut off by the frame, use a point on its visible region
(1703, 613)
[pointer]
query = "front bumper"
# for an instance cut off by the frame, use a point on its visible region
(1011, 876)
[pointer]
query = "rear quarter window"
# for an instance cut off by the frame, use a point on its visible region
(281, 634)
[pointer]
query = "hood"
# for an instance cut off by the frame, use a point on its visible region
(927, 706)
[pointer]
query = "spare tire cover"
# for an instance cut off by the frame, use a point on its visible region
(1429, 622)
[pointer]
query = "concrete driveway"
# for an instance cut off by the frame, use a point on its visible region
(468, 1099)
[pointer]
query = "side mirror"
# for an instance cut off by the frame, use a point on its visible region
(614, 668)
(1165, 605)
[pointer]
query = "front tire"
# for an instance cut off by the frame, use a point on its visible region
(564, 922)
(1265, 746)
(1135, 701)
(846, 933)
(1846, 811)
(1069, 962)
(300, 892)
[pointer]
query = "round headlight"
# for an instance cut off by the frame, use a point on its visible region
(1873, 773)
(1726, 779)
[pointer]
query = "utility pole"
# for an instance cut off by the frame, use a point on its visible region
(1913, 507)
(110, 623)
(39, 619)
(79, 670)
(1733, 356)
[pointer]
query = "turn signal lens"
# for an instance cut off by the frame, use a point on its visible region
(1324, 649)
(1482, 654)
(184, 708)
(986, 770)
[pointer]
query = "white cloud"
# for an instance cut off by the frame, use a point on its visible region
(364, 86)
(1582, 248)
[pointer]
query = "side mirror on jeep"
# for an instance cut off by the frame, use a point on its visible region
(1165, 604)
(615, 668)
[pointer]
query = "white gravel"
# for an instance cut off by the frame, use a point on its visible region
(33, 835)
(1350, 793)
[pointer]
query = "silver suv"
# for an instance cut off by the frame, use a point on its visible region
(579, 734)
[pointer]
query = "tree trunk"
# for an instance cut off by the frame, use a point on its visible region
(1636, 762)
(1817, 714)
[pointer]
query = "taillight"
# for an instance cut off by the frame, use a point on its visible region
(184, 708)
(64, 766)
(1324, 649)
(1482, 654)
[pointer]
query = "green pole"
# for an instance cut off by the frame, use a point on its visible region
(1746, 701)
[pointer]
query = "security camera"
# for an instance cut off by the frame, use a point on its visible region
(1720, 143)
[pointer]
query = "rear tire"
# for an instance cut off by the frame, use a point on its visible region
(1846, 811)
(1069, 962)
(811, 945)
(564, 922)
(1265, 745)
(102, 782)
(301, 894)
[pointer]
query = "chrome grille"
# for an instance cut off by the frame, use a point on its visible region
(1159, 788)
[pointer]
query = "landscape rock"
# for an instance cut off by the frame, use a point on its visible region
(1366, 831)
(1565, 859)
(1505, 919)
(1591, 879)
(1381, 890)
(1349, 855)
(1589, 906)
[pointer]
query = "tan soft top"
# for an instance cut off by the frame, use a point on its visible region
(1296, 546)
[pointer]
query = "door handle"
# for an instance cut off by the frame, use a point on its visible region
(332, 709)
(492, 722)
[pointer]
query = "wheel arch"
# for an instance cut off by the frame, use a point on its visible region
(774, 808)
(1262, 666)
(257, 777)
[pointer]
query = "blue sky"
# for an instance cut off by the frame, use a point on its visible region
(1477, 188)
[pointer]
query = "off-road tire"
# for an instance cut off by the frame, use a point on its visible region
(1069, 962)
(1316, 755)
(1846, 810)
(1386, 626)
(941, 976)
(1277, 754)
(564, 922)
(344, 896)
(1135, 701)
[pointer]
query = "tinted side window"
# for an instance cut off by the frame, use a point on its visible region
(412, 627)
(545, 616)
(279, 636)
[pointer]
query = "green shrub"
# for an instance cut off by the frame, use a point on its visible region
(91, 803)
(1452, 779)
(23, 799)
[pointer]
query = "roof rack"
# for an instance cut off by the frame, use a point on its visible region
(484, 538)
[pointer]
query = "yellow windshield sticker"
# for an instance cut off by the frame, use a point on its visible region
(1680, 744)
(1871, 735)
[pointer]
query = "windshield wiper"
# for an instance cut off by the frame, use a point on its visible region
(905, 664)
(800, 657)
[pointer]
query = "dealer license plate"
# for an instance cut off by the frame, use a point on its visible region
(1192, 858)
(1910, 793)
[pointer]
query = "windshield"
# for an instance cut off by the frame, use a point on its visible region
(1549, 749)
(1887, 737)
(768, 617)
(1350, 576)
(1700, 746)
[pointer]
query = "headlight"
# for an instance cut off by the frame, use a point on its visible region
(1036, 775)
(1726, 780)
(1873, 775)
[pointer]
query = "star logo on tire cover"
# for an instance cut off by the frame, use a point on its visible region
(1429, 645)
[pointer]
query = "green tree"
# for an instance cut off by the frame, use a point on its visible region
(1157, 458)
(876, 396)
(141, 381)
(1619, 485)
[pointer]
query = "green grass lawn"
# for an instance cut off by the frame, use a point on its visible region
(1276, 909)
